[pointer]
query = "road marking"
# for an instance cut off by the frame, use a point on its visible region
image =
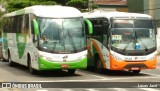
(91, 90)
(158, 68)
(67, 90)
(119, 89)
(148, 89)
(42, 90)
(86, 80)
(157, 76)
(100, 77)
(149, 74)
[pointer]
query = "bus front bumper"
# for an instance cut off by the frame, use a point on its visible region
(129, 65)
(51, 65)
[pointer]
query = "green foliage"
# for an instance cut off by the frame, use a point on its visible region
(1, 22)
(80, 4)
(94, 6)
(62, 2)
(12, 5)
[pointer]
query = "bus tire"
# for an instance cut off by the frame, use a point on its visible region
(98, 65)
(136, 71)
(71, 71)
(30, 69)
(10, 62)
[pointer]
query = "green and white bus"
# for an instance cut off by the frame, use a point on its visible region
(46, 38)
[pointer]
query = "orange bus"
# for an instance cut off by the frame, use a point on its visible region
(121, 41)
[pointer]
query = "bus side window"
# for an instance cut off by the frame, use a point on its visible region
(5, 25)
(10, 24)
(105, 26)
(26, 23)
(97, 27)
(32, 32)
(20, 19)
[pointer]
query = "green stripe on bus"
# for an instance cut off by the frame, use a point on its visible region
(51, 65)
(21, 44)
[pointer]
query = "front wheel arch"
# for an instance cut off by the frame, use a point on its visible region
(98, 64)
(11, 63)
(29, 64)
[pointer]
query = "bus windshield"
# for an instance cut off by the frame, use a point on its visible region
(62, 35)
(127, 33)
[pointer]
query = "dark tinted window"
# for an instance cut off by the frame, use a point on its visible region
(143, 24)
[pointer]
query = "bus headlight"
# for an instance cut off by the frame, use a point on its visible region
(84, 56)
(117, 58)
(152, 57)
(44, 56)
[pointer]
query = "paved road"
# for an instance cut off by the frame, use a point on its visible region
(21, 74)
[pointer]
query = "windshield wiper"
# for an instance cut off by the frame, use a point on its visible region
(146, 49)
(128, 43)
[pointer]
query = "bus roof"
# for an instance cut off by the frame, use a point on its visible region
(113, 14)
(55, 11)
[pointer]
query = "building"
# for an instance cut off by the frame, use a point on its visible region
(151, 7)
(117, 5)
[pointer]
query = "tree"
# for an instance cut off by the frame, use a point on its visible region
(19, 4)
(80, 4)
(62, 2)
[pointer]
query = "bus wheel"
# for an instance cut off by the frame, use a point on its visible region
(136, 71)
(71, 71)
(11, 64)
(31, 70)
(98, 66)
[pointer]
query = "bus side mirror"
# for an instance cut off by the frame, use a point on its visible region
(156, 31)
(89, 25)
(36, 27)
(155, 27)
(105, 25)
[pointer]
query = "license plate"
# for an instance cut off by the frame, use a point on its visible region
(64, 66)
(135, 68)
